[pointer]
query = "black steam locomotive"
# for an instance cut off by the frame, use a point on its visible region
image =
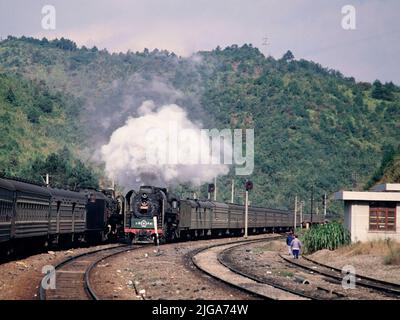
(192, 218)
(35, 215)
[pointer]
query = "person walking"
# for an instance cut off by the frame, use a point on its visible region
(295, 245)
(289, 240)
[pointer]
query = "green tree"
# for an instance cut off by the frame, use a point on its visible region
(288, 56)
(10, 96)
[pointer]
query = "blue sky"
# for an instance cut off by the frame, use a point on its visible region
(311, 29)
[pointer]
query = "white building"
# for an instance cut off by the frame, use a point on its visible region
(374, 214)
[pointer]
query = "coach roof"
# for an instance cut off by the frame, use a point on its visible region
(5, 184)
(30, 188)
(67, 194)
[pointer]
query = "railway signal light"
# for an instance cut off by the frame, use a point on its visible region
(248, 185)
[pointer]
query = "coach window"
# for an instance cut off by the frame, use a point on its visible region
(2, 211)
(382, 216)
(28, 211)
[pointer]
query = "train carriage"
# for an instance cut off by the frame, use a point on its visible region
(32, 211)
(260, 217)
(236, 217)
(32, 215)
(201, 215)
(7, 194)
(67, 214)
(219, 216)
(200, 218)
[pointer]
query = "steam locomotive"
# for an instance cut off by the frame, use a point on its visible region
(34, 215)
(155, 214)
(152, 215)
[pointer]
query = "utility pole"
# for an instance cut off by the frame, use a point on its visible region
(215, 189)
(266, 44)
(295, 213)
(47, 180)
(211, 189)
(248, 186)
(246, 214)
(233, 190)
(312, 202)
(354, 179)
(301, 213)
(324, 204)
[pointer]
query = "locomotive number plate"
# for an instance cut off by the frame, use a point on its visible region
(143, 223)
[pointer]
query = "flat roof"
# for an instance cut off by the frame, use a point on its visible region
(367, 196)
(386, 187)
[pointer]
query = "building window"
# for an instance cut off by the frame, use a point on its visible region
(382, 216)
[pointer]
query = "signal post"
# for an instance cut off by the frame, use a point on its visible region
(248, 186)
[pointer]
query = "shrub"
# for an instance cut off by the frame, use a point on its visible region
(326, 236)
(393, 258)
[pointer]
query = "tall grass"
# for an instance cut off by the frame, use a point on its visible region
(388, 249)
(393, 257)
(325, 236)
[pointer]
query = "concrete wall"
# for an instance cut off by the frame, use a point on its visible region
(356, 219)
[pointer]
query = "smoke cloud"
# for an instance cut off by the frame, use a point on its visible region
(142, 153)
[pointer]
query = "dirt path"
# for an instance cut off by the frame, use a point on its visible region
(370, 264)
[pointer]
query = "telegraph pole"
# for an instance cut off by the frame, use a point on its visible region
(312, 202)
(215, 189)
(211, 189)
(295, 213)
(233, 190)
(246, 214)
(248, 186)
(301, 213)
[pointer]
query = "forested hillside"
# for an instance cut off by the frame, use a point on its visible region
(313, 126)
(389, 170)
(38, 131)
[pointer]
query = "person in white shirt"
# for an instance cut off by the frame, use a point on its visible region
(296, 246)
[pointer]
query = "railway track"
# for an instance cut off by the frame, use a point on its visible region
(73, 275)
(209, 261)
(387, 288)
(241, 276)
(224, 258)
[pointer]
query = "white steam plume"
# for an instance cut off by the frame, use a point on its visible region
(126, 156)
